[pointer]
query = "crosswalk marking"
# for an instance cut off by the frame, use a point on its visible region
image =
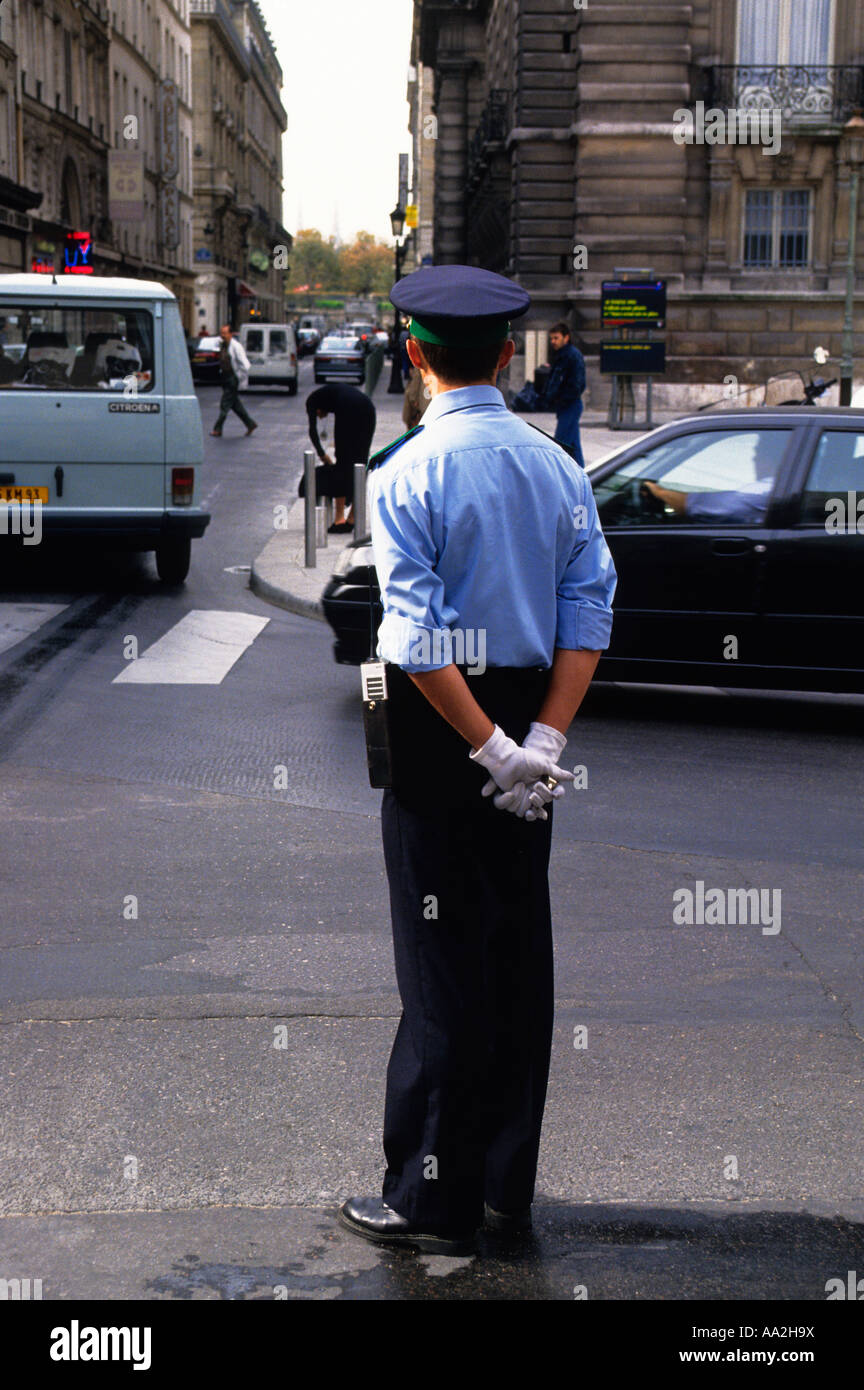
(19, 620)
(199, 650)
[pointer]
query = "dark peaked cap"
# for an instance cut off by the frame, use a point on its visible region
(459, 305)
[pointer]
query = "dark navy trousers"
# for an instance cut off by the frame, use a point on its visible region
(472, 940)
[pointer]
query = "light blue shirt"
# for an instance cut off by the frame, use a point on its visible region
(482, 524)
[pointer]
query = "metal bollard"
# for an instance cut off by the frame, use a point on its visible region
(311, 508)
(321, 526)
(328, 518)
(359, 501)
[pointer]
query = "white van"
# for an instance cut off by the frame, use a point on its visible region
(99, 422)
(272, 352)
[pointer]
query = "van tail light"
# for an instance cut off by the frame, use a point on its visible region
(293, 359)
(182, 486)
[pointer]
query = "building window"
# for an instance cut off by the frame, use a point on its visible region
(785, 31)
(67, 71)
(777, 229)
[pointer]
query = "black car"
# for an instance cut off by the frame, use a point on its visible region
(341, 359)
(738, 537)
(205, 360)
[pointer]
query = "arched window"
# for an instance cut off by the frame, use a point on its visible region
(70, 195)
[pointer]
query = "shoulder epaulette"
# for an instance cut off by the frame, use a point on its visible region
(384, 454)
(543, 432)
(566, 447)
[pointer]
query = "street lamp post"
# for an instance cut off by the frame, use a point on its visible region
(854, 130)
(396, 387)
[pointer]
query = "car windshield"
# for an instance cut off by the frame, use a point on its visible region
(340, 344)
(72, 348)
(255, 340)
(708, 476)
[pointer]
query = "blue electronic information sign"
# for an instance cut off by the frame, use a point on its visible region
(78, 254)
(633, 359)
(632, 304)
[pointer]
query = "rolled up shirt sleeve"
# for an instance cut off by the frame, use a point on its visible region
(587, 586)
(415, 633)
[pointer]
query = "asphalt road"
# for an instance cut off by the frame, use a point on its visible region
(197, 996)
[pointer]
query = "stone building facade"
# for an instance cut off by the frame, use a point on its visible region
(563, 156)
(239, 123)
(151, 96)
(97, 136)
(82, 81)
(423, 124)
(55, 124)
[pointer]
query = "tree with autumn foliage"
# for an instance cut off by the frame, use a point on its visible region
(363, 267)
(314, 261)
(366, 266)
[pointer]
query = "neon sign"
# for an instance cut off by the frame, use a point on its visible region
(78, 254)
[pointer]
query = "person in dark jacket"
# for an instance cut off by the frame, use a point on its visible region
(354, 427)
(564, 388)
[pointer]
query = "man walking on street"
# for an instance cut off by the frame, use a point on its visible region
(486, 538)
(235, 376)
(564, 388)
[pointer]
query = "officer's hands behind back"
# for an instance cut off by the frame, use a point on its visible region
(515, 771)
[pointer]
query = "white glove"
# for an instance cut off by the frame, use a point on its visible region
(528, 800)
(508, 764)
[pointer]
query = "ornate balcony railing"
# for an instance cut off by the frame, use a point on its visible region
(492, 129)
(828, 94)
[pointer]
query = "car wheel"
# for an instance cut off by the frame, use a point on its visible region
(292, 386)
(172, 560)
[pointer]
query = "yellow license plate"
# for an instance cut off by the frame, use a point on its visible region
(23, 494)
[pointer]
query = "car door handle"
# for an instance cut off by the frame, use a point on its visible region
(732, 545)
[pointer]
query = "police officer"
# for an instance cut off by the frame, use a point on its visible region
(496, 584)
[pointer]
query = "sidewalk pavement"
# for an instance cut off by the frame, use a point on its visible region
(280, 575)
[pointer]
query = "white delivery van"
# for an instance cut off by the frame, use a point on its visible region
(272, 352)
(99, 421)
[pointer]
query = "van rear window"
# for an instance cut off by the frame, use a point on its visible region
(76, 349)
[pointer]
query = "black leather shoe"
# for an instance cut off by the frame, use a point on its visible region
(509, 1223)
(371, 1218)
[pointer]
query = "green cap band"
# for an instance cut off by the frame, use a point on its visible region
(475, 333)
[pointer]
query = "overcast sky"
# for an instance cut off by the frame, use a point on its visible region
(346, 68)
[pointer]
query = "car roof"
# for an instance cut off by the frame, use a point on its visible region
(83, 287)
(762, 412)
(730, 416)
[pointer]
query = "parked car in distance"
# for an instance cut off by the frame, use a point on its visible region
(205, 361)
(341, 359)
(307, 341)
(272, 352)
(738, 537)
(316, 321)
